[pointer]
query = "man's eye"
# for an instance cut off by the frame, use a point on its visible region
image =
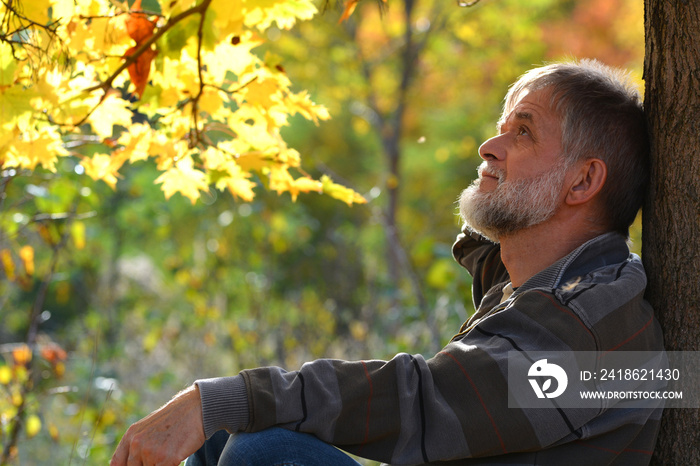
(523, 131)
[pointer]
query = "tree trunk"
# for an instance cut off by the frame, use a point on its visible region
(670, 249)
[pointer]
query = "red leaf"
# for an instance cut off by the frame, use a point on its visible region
(139, 27)
(140, 69)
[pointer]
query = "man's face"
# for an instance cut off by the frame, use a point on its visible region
(521, 179)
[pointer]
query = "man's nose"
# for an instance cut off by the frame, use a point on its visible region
(492, 149)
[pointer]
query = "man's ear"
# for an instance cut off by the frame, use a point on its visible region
(588, 180)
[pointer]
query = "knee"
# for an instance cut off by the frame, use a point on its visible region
(262, 447)
(281, 446)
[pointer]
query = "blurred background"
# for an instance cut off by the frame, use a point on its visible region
(133, 297)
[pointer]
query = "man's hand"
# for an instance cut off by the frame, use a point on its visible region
(166, 436)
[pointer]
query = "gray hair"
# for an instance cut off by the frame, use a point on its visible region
(601, 117)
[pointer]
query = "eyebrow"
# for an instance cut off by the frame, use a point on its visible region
(524, 116)
(527, 116)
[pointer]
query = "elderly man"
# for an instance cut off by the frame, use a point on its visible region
(545, 235)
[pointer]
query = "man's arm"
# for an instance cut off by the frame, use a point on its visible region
(166, 436)
(410, 410)
(482, 259)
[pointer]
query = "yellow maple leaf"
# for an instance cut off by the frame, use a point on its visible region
(47, 85)
(8, 65)
(250, 125)
(77, 34)
(169, 97)
(165, 151)
(214, 159)
(62, 10)
(288, 156)
(137, 142)
(301, 103)
(74, 103)
(307, 184)
(240, 187)
(230, 15)
(253, 160)
(15, 108)
(89, 7)
(340, 192)
(281, 181)
(239, 58)
(210, 101)
(14, 97)
(183, 178)
(36, 10)
(238, 184)
(42, 147)
(105, 167)
(112, 111)
(261, 14)
(263, 93)
(177, 124)
(236, 180)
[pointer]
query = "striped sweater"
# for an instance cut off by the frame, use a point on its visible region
(454, 406)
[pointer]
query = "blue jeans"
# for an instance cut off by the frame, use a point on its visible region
(274, 446)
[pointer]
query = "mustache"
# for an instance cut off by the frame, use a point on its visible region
(484, 169)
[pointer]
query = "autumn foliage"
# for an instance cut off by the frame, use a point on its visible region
(179, 84)
(140, 28)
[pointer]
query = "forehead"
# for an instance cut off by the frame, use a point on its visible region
(535, 107)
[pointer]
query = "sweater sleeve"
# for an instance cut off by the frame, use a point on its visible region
(224, 404)
(482, 258)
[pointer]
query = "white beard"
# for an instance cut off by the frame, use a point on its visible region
(513, 205)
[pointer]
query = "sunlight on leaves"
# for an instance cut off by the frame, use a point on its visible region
(195, 70)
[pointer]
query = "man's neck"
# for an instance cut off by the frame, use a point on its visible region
(528, 252)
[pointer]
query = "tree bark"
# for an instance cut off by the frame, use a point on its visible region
(671, 216)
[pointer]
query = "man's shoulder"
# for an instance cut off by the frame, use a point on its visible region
(603, 260)
(608, 284)
(607, 303)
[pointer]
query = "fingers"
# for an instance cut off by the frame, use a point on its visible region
(166, 436)
(132, 452)
(121, 454)
(137, 455)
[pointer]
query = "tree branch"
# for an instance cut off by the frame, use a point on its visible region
(195, 133)
(147, 44)
(49, 27)
(107, 84)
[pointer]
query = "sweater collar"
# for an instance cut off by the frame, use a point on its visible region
(608, 248)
